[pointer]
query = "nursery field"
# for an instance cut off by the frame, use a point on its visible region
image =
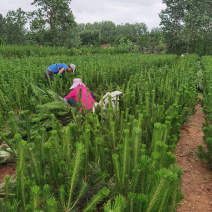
(111, 160)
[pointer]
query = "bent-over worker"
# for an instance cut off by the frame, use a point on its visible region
(88, 98)
(58, 69)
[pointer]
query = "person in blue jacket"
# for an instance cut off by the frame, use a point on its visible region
(58, 69)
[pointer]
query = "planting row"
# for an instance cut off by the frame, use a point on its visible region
(206, 154)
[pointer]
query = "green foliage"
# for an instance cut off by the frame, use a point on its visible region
(61, 23)
(116, 205)
(118, 159)
(96, 199)
(183, 28)
(14, 27)
(206, 153)
(1, 41)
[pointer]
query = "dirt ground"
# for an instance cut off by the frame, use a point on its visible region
(197, 178)
(7, 170)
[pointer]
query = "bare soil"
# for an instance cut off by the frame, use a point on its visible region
(196, 178)
(7, 170)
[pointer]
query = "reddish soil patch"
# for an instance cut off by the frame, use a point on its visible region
(105, 45)
(196, 178)
(7, 170)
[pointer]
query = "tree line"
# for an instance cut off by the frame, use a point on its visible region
(186, 26)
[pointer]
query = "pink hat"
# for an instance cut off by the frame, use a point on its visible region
(76, 83)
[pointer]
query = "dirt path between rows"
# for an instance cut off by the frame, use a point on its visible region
(196, 178)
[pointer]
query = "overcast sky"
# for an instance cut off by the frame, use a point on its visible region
(90, 11)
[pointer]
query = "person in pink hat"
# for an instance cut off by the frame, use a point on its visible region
(87, 99)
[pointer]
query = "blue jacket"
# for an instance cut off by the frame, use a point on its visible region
(56, 67)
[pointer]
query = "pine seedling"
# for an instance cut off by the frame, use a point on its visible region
(125, 160)
(21, 156)
(75, 172)
(96, 151)
(53, 121)
(62, 197)
(143, 150)
(122, 169)
(87, 144)
(122, 121)
(206, 155)
(11, 207)
(136, 140)
(112, 136)
(34, 163)
(164, 201)
(3, 101)
(146, 172)
(152, 101)
(117, 175)
(117, 205)
(56, 144)
(40, 152)
(52, 205)
(46, 194)
(53, 165)
(2, 121)
(79, 195)
(1, 205)
(102, 194)
(164, 179)
(126, 113)
(170, 159)
(133, 98)
(147, 97)
(12, 123)
(26, 96)
(21, 189)
(157, 135)
(135, 180)
(156, 195)
(7, 188)
(117, 112)
(166, 131)
(21, 167)
(26, 117)
(176, 185)
(35, 198)
(147, 128)
(102, 153)
(66, 145)
(141, 202)
(18, 93)
(135, 202)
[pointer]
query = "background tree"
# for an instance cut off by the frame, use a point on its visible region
(89, 37)
(195, 19)
(58, 20)
(14, 27)
(107, 31)
(38, 33)
(186, 25)
(171, 24)
(2, 26)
